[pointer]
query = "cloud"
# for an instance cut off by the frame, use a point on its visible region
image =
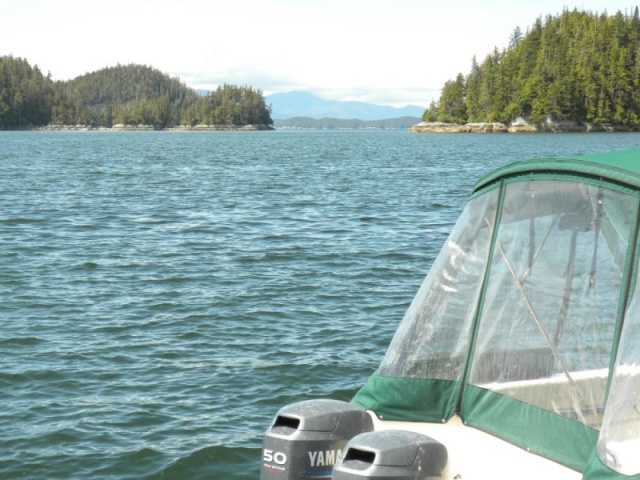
(269, 82)
(264, 81)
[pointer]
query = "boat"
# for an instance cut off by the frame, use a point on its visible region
(518, 358)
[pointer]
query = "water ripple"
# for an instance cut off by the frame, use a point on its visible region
(164, 294)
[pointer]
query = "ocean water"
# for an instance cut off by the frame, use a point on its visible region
(163, 294)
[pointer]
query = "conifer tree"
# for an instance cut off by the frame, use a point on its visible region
(577, 65)
(130, 95)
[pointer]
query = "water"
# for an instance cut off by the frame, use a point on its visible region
(163, 294)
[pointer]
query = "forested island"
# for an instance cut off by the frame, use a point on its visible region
(130, 96)
(575, 71)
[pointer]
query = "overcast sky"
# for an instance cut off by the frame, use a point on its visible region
(390, 52)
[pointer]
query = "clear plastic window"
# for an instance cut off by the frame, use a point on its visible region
(619, 442)
(433, 338)
(549, 313)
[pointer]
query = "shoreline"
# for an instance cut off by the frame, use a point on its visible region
(149, 128)
(522, 126)
(518, 126)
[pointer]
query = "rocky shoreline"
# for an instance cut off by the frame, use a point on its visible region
(145, 128)
(520, 125)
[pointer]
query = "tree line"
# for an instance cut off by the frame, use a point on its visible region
(129, 95)
(574, 66)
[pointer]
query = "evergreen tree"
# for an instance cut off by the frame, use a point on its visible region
(577, 65)
(515, 37)
(130, 95)
(26, 95)
(452, 107)
(431, 113)
(229, 105)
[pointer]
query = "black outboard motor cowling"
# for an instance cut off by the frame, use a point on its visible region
(307, 438)
(393, 454)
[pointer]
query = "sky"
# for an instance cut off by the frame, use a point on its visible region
(387, 52)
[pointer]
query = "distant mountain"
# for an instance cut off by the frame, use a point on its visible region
(306, 123)
(304, 104)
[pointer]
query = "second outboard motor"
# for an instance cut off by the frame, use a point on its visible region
(307, 438)
(393, 454)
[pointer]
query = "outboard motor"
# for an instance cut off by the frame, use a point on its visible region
(393, 454)
(306, 438)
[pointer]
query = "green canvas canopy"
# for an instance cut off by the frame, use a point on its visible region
(528, 323)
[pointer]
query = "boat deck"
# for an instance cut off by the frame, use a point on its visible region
(475, 455)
